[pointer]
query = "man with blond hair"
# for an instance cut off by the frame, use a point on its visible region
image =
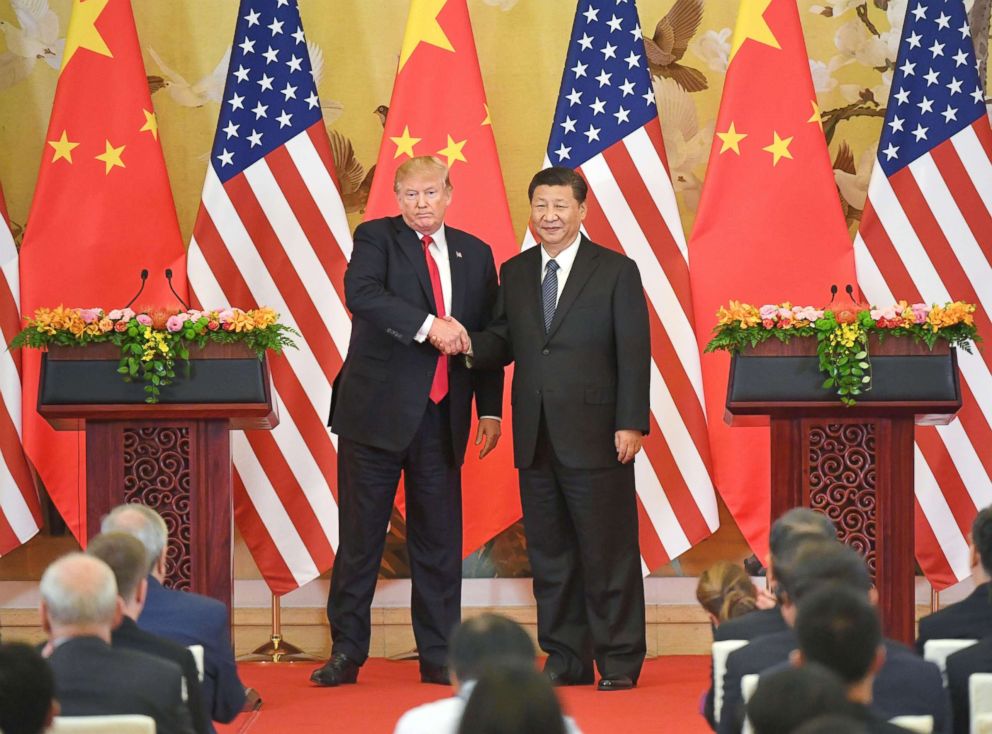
(401, 407)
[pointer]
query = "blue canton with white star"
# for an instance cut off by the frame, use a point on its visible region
(270, 95)
(606, 91)
(936, 91)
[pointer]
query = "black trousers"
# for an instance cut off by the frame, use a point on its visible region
(581, 527)
(367, 481)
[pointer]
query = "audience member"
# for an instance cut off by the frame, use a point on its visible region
(832, 724)
(970, 618)
(79, 607)
(788, 697)
(125, 555)
(960, 666)
(725, 591)
(478, 644)
(839, 629)
(27, 690)
(905, 685)
(183, 617)
(512, 700)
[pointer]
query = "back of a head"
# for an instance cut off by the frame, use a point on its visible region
(798, 521)
(512, 700)
(126, 557)
(26, 689)
(839, 629)
(789, 697)
(488, 641)
(726, 591)
(827, 562)
(79, 590)
(790, 552)
(832, 724)
(981, 536)
(144, 524)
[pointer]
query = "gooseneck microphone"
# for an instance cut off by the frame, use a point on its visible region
(833, 293)
(849, 289)
(168, 277)
(144, 278)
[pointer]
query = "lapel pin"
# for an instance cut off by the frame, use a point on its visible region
(457, 253)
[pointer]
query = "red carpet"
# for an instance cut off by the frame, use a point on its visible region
(666, 700)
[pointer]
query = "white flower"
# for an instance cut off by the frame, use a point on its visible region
(823, 73)
(857, 42)
(896, 14)
(713, 47)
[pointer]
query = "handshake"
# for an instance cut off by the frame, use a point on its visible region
(449, 337)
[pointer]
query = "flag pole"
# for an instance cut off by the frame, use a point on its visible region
(277, 650)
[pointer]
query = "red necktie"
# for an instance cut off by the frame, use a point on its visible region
(439, 387)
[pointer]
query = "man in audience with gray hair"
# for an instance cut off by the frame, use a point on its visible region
(184, 617)
(79, 608)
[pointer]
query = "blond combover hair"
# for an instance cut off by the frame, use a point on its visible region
(418, 165)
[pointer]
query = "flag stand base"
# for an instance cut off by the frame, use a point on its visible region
(277, 650)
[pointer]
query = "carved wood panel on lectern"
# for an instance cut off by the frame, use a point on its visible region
(842, 462)
(157, 474)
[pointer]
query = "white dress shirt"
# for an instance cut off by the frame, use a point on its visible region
(439, 251)
(565, 260)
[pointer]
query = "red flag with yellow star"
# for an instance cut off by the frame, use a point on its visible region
(769, 227)
(439, 108)
(102, 212)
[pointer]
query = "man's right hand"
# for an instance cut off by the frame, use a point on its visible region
(448, 336)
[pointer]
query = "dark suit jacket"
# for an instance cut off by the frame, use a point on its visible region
(382, 390)
(905, 686)
(589, 374)
(960, 665)
(969, 619)
(93, 679)
(131, 637)
(193, 619)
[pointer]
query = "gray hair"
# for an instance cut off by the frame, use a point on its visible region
(144, 524)
(79, 590)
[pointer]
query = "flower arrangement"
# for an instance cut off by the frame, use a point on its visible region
(152, 340)
(842, 334)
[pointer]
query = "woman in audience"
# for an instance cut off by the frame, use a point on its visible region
(512, 701)
(725, 591)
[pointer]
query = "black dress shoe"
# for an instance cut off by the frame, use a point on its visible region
(434, 674)
(337, 670)
(615, 683)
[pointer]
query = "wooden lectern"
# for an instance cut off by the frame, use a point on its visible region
(853, 464)
(174, 456)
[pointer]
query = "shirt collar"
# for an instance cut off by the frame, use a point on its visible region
(439, 237)
(565, 258)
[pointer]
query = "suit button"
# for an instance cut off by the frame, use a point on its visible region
(545, 352)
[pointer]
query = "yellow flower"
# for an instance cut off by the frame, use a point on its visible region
(743, 313)
(264, 317)
(242, 322)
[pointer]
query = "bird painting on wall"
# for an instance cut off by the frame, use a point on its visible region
(35, 38)
(208, 89)
(666, 47)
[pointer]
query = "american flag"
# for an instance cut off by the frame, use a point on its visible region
(272, 230)
(606, 126)
(926, 235)
(20, 515)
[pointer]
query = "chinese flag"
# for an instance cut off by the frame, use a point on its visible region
(439, 108)
(102, 212)
(769, 227)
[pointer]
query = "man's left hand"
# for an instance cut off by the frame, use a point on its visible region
(489, 431)
(628, 443)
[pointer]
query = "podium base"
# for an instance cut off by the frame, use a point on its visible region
(277, 650)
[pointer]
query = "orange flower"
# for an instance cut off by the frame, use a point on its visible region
(241, 321)
(263, 317)
(105, 325)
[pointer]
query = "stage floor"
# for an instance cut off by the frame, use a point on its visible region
(666, 699)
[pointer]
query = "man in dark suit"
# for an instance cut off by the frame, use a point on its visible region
(970, 618)
(125, 556)
(960, 666)
(182, 616)
(27, 690)
(572, 317)
(79, 607)
(400, 406)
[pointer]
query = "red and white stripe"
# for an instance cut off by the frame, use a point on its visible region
(926, 236)
(20, 513)
(631, 208)
(277, 235)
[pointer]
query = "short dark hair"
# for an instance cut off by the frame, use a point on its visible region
(126, 557)
(822, 562)
(790, 550)
(27, 688)
(787, 698)
(838, 628)
(798, 520)
(559, 176)
(512, 700)
(981, 537)
(487, 641)
(833, 724)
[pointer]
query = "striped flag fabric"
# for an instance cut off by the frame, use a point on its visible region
(20, 513)
(606, 127)
(271, 230)
(926, 236)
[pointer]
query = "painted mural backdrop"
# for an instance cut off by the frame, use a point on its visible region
(354, 47)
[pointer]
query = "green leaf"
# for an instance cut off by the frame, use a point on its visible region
(861, 355)
(866, 379)
(828, 383)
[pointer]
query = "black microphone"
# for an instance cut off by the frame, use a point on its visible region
(849, 289)
(144, 277)
(168, 277)
(833, 293)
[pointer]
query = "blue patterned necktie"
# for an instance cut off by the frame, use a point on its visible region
(549, 293)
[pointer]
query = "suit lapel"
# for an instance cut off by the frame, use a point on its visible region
(411, 246)
(458, 272)
(586, 260)
(532, 286)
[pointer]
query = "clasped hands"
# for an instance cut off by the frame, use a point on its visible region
(448, 336)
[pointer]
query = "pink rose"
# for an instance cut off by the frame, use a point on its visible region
(174, 323)
(768, 311)
(921, 312)
(228, 326)
(115, 315)
(120, 326)
(226, 315)
(144, 319)
(90, 315)
(768, 323)
(213, 325)
(193, 314)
